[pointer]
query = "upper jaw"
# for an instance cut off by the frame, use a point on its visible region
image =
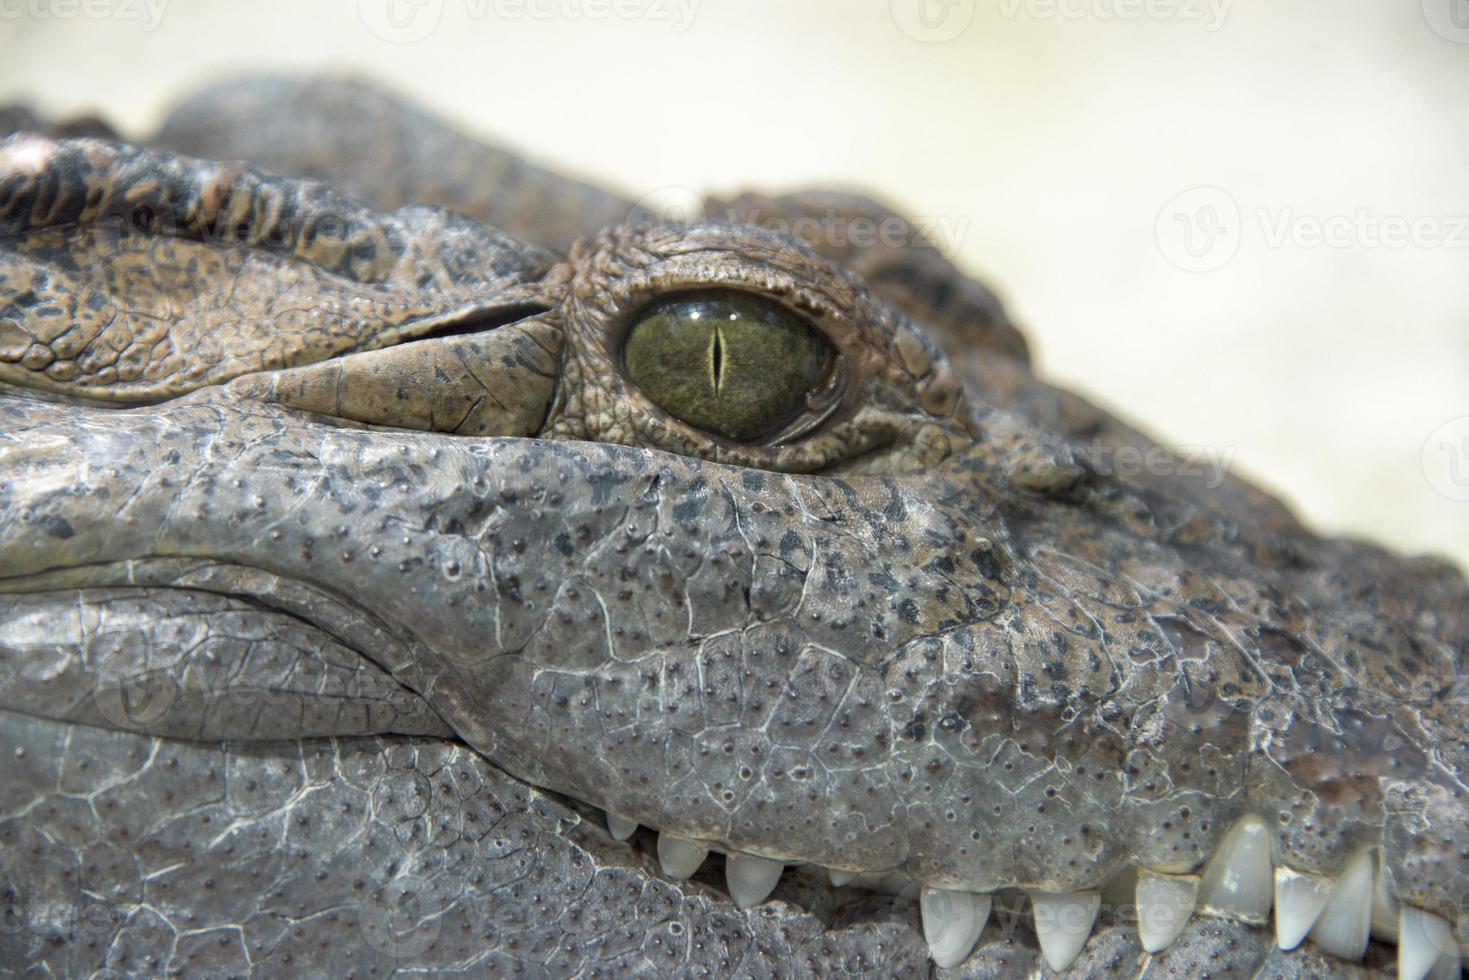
(798, 667)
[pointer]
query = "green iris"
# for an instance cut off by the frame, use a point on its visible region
(726, 362)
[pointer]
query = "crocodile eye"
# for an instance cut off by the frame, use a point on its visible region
(726, 362)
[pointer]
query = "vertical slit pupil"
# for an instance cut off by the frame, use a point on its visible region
(718, 358)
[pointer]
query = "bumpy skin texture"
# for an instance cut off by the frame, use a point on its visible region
(317, 651)
(138, 277)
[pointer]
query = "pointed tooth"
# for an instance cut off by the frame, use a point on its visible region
(751, 878)
(952, 922)
(620, 828)
(1063, 921)
(1384, 906)
(1299, 899)
(839, 877)
(1164, 905)
(1422, 939)
(1237, 881)
(679, 856)
(1450, 966)
(1344, 923)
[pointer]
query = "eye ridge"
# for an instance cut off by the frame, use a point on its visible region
(731, 363)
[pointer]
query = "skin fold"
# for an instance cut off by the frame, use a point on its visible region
(345, 578)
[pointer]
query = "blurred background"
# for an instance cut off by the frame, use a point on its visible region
(1241, 224)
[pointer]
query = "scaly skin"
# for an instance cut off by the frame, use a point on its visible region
(342, 566)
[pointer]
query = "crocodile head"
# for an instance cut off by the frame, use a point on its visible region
(880, 603)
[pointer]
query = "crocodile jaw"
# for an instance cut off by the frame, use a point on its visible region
(692, 647)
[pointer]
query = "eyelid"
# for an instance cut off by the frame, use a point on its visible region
(610, 281)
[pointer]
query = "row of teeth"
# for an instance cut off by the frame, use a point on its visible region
(1338, 914)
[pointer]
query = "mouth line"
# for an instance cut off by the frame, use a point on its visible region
(1352, 916)
(1007, 941)
(340, 618)
(482, 322)
(1242, 882)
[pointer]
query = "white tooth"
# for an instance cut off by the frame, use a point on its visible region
(1063, 921)
(620, 828)
(1384, 906)
(1237, 880)
(1450, 966)
(1422, 939)
(952, 922)
(679, 856)
(1164, 905)
(1347, 918)
(839, 877)
(1299, 899)
(751, 878)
